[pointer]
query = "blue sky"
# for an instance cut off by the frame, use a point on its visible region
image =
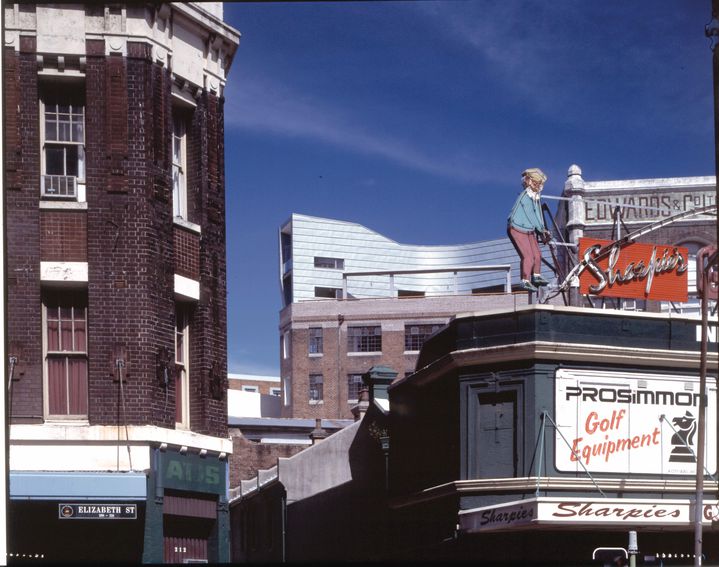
(416, 119)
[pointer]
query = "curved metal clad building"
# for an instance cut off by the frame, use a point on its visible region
(320, 257)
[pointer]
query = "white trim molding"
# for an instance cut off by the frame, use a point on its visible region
(187, 288)
(63, 271)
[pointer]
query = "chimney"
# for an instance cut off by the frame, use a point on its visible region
(318, 434)
(362, 403)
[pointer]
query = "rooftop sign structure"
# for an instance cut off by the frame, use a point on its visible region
(635, 270)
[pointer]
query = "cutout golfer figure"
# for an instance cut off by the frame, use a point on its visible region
(525, 226)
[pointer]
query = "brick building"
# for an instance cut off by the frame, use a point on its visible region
(114, 199)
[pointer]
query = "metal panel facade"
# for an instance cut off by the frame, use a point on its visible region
(365, 250)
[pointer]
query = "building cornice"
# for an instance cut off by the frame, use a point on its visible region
(560, 352)
(79, 434)
(532, 484)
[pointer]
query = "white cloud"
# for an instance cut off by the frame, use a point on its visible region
(269, 107)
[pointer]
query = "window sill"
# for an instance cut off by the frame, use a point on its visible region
(64, 422)
(63, 205)
(411, 352)
(373, 353)
(316, 355)
(316, 402)
(179, 221)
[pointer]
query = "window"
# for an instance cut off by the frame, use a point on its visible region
(416, 335)
(354, 385)
(276, 392)
(409, 293)
(182, 364)
(285, 345)
(315, 343)
(63, 142)
(328, 292)
(287, 388)
(331, 263)
(252, 389)
(364, 339)
(65, 315)
(316, 388)
(179, 164)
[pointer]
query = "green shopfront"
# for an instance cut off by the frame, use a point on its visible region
(542, 433)
(186, 512)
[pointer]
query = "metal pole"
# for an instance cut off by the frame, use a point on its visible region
(712, 32)
(699, 504)
(633, 549)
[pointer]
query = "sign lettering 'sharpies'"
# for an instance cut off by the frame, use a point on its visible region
(562, 511)
(622, 422)
(641, 271)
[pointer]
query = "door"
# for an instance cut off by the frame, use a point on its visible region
(497, 435)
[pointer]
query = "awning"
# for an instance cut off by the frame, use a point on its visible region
(610, 513)
(77, 486)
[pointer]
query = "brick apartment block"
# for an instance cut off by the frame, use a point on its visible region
(114, 184)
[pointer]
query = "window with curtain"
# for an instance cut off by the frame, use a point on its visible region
(66, 354)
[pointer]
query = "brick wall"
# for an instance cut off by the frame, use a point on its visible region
(126, 235)
(187, 253)
(335, 369)
(248, 457)
(208, 348)
(22, 190)
(63, 236)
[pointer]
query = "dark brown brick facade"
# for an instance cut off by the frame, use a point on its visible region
(187, 253)
(127, 237)
(63, 236)
(22, 151)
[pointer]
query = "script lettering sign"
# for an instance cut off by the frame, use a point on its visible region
(572, 512)
(637, 270)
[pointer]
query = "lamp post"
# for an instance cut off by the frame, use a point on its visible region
(706, 271)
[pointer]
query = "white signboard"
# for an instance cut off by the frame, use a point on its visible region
(631, 423)
(645, 207)
(600, 512)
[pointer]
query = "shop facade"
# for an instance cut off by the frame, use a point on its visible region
(553, 424)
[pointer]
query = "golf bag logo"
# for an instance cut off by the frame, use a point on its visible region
(683, 439)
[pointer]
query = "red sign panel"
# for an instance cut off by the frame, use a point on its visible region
(641, 271)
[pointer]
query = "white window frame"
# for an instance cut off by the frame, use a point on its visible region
(315, 340)
(285, 345)
(363, 337)
(274, 391)
(314, 382)
(182, 327)
(359, 387)
(287, 391)
(79, 181)
(179, 164)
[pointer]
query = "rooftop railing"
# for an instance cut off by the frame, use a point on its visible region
(452, 270)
